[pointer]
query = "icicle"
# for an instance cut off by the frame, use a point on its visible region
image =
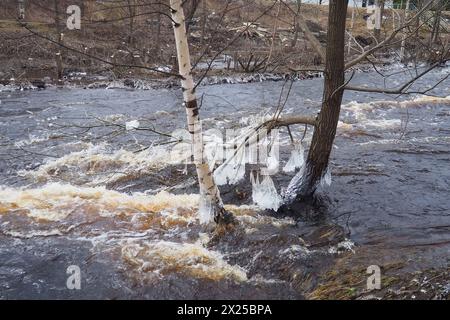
(231, 172)
(213, 147)
(264, 193)
(272, 161)
(296, 160)
(185, 170)
(326, 180)
(272, 164)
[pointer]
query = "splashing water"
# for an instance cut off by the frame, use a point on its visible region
(164, 257)
(130, 125)
(296, 160)
(56, 201)
(264, 193)
(95, 164)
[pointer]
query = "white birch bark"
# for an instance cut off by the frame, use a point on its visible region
(211, 206)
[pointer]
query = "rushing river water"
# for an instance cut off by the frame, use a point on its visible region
(77, 188)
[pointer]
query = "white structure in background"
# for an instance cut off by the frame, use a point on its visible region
(374, 18)
(21, 9)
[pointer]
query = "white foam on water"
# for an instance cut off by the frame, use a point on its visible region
(163, 257)
(96, 164)
(56, 201)
(383, 123)
(32, 139)
(346, 245)
(29, 235)
(295, 251)
(413, 140)
(360, 112)
(133, 124)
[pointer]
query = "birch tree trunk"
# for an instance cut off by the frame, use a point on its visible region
(305, 182)
(211, 206)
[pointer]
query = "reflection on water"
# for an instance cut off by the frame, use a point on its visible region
(109, 200)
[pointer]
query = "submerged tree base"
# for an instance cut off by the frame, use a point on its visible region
(225, 221)
(311, 207)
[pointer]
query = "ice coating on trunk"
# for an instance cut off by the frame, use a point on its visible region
(326, 179)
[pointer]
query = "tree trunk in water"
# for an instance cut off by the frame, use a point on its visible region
(211, 204)
(305, 182)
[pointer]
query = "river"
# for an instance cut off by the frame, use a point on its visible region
(77, 188)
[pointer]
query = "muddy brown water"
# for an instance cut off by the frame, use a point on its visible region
(75, 191)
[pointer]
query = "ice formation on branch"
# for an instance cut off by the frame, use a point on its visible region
(264, 193)
(231, 172)
(296, 160)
